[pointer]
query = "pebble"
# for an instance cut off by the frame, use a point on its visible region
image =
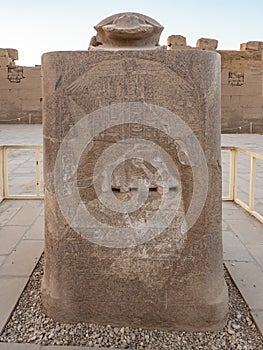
(28, 324)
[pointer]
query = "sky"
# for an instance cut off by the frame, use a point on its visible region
(34, 27)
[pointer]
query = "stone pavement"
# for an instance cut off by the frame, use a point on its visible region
(243, 256)
(253, 143)
(21, 237)
(21, 134)
(21, 245)
(242, 234)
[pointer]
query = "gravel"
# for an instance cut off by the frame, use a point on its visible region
(28, 324)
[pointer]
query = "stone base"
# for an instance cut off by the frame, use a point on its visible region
(149, 315)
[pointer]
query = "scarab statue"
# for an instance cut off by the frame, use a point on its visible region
(127, 30)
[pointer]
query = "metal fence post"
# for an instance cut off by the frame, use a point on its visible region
(252, 182)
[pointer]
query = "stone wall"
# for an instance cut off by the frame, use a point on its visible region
(242, 86)
(20, 91)
(242, 91)
(242, 83)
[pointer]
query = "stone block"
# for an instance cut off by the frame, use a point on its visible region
(247, 232)
(31, 83)
(10, 236)
(7, 214)
(251, 101)
(257, 251)
(13, 54)
(22, 261)
(10, 291)
(32, 72)
(224, 76)
(254, 77)
(252, 114)
(30, 94)
(2, 259)
(234, 249)
(133, 271)
(4, 61)
(3, 75)
(3, 53)
(31, 105)
(258, 318)
(207, 44)
(176, 42)
(26, 215)
(252, 45)
(247, 89)
(36, 231)
(248, 278)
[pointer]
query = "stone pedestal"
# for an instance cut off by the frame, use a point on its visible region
(170, 277)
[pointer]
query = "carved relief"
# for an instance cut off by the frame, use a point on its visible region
(236, 79)
(15, 74)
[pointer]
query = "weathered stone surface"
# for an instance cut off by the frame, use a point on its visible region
(13, 54)
(20, 91)
(241, 78)
(242, 100)
(176, 42)
(127, 30)
(207, 44)
(252, 45)
(174, 280)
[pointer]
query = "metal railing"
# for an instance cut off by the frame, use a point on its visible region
(4, 181)
(233, 177)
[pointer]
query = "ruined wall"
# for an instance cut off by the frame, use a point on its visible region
(242, 83)
(20, 91)
(242, 91)
(242, 86)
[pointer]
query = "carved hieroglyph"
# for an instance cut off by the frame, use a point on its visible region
(133, 188)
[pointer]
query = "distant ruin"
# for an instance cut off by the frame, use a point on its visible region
(241, 77)
(20, 91)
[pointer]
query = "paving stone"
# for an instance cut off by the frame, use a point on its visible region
(10, 291)
(257, 251)
(8, 213)
(225, 226)
(22, 261)
(9, 238)
(233, 214)
(234, 249)
(21, 134)
(247, 232)
(2, 259)
(36, 231)
(230, 205)
(27, 214)
(249, 279)
(258, 318)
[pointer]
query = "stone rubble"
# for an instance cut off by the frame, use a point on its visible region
(28, 324)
